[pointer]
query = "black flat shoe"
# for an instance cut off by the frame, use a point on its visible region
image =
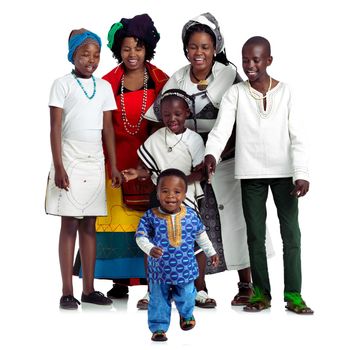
(118, 291)
(68, 302)
(96, 298)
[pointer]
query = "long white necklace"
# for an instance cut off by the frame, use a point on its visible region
(133, 129)
(255, 95)
(170, 148)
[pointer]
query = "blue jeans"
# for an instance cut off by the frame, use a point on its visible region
(159, 307)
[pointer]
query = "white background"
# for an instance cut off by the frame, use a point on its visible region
(311, 52)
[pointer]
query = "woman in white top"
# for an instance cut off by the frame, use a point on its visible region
(206, 79)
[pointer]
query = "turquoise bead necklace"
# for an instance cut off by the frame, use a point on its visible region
(82, 87)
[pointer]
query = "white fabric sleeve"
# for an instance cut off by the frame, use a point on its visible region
(144, 244)
(109, 103)
(223, 126)
(296, 136)
(205, 243)
(197, 150)
(58, 93)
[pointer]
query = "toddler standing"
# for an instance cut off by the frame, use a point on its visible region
(167, 235)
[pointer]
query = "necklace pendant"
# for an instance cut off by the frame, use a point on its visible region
(170, 149)
(202, 85)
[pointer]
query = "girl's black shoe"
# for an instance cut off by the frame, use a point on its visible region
(68, 302)
(96, 298)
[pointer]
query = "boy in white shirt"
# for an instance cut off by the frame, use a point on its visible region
(269, 153)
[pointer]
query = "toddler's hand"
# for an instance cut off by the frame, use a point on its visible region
(214, 260)
(156, 252)
(129, 174)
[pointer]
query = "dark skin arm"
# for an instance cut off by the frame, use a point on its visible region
(197, 174)
(301, 188)
(141, 173)
(108, 139)
(61, 177)
(209, 165)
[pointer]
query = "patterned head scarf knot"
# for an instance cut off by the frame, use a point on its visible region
(80, 37)
(209, 20)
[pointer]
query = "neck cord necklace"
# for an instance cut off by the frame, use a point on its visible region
(202, 83)
(82, 87)
(170, 148)
(133, 129)
(255, 95)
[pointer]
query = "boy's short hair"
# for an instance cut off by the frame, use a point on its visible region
(173, 172)
(259, 40)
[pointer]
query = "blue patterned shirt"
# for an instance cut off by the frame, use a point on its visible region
(176, 236)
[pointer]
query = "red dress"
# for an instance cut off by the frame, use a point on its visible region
(126, 145)
(117, 254)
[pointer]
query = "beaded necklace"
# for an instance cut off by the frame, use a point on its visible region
(82, 87)
(170, 148)
(255, 95)
(133, 129)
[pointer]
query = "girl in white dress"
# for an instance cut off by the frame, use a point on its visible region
(80, 108)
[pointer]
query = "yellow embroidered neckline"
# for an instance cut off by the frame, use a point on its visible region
(174, 233)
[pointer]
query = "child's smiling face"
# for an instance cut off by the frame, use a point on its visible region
(171, 192)
(174, 112)
(255, 60)
(86, 60)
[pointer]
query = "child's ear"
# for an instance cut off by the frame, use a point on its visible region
(269, 60)
(188, 112)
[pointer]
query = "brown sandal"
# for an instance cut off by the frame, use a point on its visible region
(142, 304)
(257, 306)
(187, 324)
(258, 301)
(296, 304)
(239, 299)
(159, 336)
(203, 301)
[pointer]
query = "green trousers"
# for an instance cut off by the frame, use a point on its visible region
(254, 196)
